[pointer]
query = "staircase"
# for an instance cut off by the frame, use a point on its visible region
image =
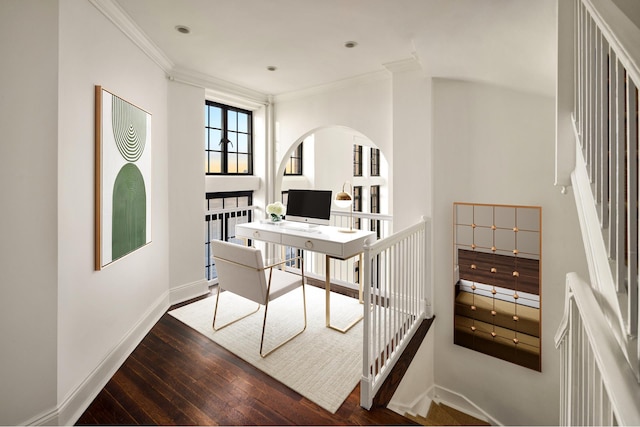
(442, 415)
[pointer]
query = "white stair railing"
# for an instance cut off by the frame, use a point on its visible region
(605, 179)
(597, 384)
(395, 290)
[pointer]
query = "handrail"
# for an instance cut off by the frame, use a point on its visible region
(396, 288)
(621, 33)
(231, 209)
(366, 215)
(606, 71)
(616, 375)
(379, 245)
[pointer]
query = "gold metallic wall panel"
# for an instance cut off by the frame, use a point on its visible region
(497, 258)
(527, 318)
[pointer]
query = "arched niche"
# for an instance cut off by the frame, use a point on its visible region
(328, 163)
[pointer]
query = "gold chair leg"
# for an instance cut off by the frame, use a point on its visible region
(215, 313)
(264, 324)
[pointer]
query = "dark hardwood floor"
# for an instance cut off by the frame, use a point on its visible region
(176, 376)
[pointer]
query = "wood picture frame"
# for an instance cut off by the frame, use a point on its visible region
(122, 178)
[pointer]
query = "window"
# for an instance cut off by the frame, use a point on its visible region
(223, 211)
(374, 196)
(375, 162)
(357, 205)
(294, 165)
(228, 140)
(357, 160)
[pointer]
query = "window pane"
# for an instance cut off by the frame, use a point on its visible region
(233, 145)
(232, 120)
(243, 163)
(357, 199)
(357, 160)
(215, 162)
(214, 139)
(243, 122)
(232, 163)
(215, 204)
(230, 202)
(243, 143)
(243, 201)
(206, 115)
(215, 117)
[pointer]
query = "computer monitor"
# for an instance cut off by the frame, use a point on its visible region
(309, 206)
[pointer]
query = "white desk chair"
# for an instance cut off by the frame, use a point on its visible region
(242, 272)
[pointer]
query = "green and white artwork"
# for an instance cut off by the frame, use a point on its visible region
(123, 178)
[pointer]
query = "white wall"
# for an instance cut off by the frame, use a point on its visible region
(494, 145)
(338, 112)
(631, 8)
(29, 242)
(364, 106)
(490, 145)
(186, 190)
(412, 164)
(101, 314)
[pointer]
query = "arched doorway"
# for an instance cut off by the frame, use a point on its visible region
(333, 155)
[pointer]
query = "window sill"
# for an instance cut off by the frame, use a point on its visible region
(215, 183)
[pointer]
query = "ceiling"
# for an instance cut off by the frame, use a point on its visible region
(507, 42)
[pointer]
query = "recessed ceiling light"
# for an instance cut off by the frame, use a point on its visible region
(350, 44)
(272, 68)
(183, 29)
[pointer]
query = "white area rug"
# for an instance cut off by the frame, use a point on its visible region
(321, 364)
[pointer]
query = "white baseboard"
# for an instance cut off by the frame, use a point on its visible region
(72, 407)
(461, 403)
(49, 418)
(420, 405)
(188, 291)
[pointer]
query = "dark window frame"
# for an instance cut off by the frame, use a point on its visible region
(374, 207)
(374, 199)
(227, 145)
(294, 164)
(357, 205)
(357, 160)
(223, 223)
(375, 162)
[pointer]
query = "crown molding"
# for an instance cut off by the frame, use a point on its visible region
(220, 90)
(371, 77)
(408, 64)
(123, 21)
(216, 88)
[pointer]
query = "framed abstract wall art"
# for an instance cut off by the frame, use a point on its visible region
(122, 178)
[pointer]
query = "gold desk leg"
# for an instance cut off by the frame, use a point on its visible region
(327, 285)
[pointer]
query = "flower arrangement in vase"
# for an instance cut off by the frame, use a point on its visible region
(276, 211)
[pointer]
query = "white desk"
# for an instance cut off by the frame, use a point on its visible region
(323, 239)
